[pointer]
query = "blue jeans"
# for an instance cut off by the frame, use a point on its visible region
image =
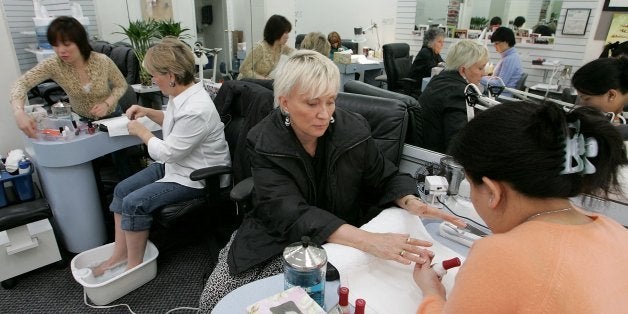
(136, 197)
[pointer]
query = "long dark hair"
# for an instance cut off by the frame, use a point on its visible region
(68, 29)
(600, 75)
(523, 144)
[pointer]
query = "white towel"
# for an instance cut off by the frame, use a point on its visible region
(386, 285)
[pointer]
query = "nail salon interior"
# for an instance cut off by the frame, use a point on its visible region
(401, 66)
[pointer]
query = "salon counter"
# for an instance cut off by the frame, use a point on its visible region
(67, 177)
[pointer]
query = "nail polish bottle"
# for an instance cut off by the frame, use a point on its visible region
(442, 267)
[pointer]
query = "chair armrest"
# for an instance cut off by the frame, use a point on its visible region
(242, 190)
(204, 173)
(409, 80)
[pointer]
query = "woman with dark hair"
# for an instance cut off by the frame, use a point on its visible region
(429, 55)
(603, 84)
(92, 80)
(263, 59)
(545, 255)
(193, 138)
(519, 21)
(509, 68)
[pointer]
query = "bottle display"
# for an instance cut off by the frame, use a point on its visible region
(305, 264)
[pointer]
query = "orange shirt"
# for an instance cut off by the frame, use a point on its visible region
(543, 267)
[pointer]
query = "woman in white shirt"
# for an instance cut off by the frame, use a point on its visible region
(193, 138)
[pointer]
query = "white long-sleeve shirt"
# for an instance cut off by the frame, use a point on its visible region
(193, 137)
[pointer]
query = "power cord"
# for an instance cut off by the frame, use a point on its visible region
(129, 308)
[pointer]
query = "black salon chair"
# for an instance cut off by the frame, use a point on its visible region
(413, 136)
(521, 83)
(388, 119)
(397, 63)
(241, 104)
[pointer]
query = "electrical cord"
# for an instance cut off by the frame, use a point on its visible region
(453, 213)
(129, 307)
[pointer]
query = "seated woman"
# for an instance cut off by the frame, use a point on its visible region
(312, 164)
(336, 44)
(92, 80)
(316, 41)
(263, 59)
(603, 84)
(193, 138)
(545, 255)
(429, 55)
(508, 69)
(443, 102)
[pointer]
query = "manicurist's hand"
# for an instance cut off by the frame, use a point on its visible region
(425, 277)
(26, 123)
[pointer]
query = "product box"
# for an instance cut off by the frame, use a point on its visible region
(293, 300)
(342, 58)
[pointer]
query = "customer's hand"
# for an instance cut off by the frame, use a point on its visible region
(426, 278)
(397, 247)
(135, 111)
(100, 110)
(415, 206)
(26, 123)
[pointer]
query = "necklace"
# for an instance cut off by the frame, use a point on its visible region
(548, 212)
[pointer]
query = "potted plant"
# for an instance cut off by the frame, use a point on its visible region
(140, 34)
(171, 28)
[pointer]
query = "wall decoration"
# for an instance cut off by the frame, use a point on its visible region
(615, 5)
(619, 28)
(576, 21)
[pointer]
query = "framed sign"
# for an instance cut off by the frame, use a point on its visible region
(576, 21)
(615, 5)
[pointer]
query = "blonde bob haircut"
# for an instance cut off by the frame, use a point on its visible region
(465, 53)
(306, 72)
(316, 41)
(171, 56)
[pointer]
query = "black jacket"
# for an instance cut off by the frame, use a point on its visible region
(443, 109)
(285, 206)
(425, 60)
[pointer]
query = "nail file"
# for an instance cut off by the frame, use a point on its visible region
(462, 236)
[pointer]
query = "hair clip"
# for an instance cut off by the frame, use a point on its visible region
(577, 150)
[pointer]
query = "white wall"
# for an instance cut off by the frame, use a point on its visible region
(112, 13)
(11, 137)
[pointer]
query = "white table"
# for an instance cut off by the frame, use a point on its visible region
(237, 300)
(370, 70)
(67, 178)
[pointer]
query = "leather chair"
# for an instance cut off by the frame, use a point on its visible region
(241, 104)
(521, 83)
(397, 63)
(25, 248)
(387, 117)
(413, 136)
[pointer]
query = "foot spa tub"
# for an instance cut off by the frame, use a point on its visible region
(116, 281)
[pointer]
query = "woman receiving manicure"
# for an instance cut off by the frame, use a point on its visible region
(314, 166)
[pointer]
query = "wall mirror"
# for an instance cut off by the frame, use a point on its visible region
(475, 14)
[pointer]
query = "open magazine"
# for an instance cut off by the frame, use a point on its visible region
(117, 126)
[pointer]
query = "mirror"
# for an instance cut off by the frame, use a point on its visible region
(475, 14)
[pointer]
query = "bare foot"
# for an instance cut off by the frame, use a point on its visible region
(106, 265)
